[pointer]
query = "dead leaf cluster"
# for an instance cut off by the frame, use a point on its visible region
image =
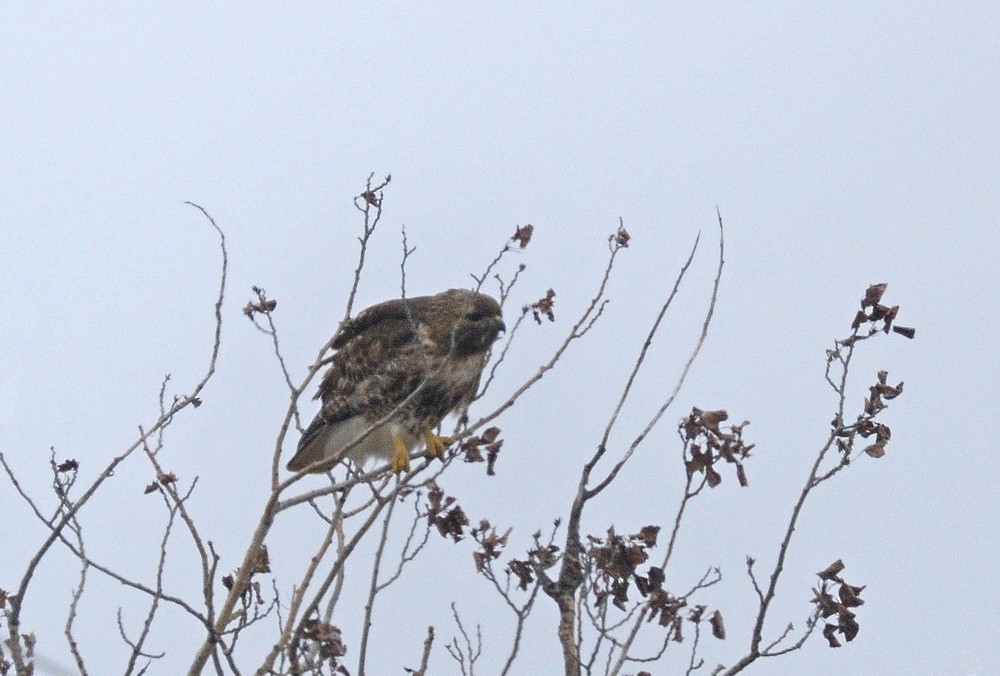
(70, 465)
(541, 557)
(490, 441)
(543, 306)
(445, 513)
(866, 425)
(491, 544)
(615, 560)
(835, 597)
(522, 234)
(371, 197)
(263, 304)
(706, 442)
(876, 317)
(251, 592)
(328, 640)
(162, 479)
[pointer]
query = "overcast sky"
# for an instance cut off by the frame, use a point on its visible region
(843, 146)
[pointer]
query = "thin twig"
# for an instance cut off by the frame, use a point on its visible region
(373, 586)
(602, 446)
(371, 197)
(426, 656)
(694, 664)
(680, 380)
(160, 567)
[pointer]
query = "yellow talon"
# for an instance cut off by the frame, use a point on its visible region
(400, 457)
(436, 445)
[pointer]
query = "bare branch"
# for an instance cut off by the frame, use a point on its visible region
(602, 447)
(426, 656)
(365, 202)
(374, 586)
(865, 326)
(465, 654)
(17, 600)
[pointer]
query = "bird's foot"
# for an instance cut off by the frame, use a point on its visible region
(400, 456)
(436, 445)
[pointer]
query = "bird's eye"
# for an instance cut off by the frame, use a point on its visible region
(476, 316)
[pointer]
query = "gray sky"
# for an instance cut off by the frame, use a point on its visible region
(843, 147)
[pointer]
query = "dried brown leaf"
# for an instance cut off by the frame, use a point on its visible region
(711, 419)
(713, 477)
(648, 535)
(523, 234)
(850, 595)
(830, 634)
(490, 435)
(522, 570)
(875, 450)
(68, 465)
(543, 306)
(492, 453)
(832, 571)
(873, 295)
(718, 627)
(849, 628)
(741, 475)
(656, 577)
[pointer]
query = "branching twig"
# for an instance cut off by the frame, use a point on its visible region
(462, 653)
(16, 601)
(370, 198)
(879, 320)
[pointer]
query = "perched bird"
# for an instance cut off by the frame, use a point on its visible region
(414, 360)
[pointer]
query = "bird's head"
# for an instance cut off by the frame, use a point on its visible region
(473, 319)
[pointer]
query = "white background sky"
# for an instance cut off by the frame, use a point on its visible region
(843, 147)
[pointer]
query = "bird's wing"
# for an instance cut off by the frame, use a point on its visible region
(364, 376)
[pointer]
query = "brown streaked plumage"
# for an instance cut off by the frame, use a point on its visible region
(431, 347)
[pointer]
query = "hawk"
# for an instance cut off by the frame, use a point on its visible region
(400, 368)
